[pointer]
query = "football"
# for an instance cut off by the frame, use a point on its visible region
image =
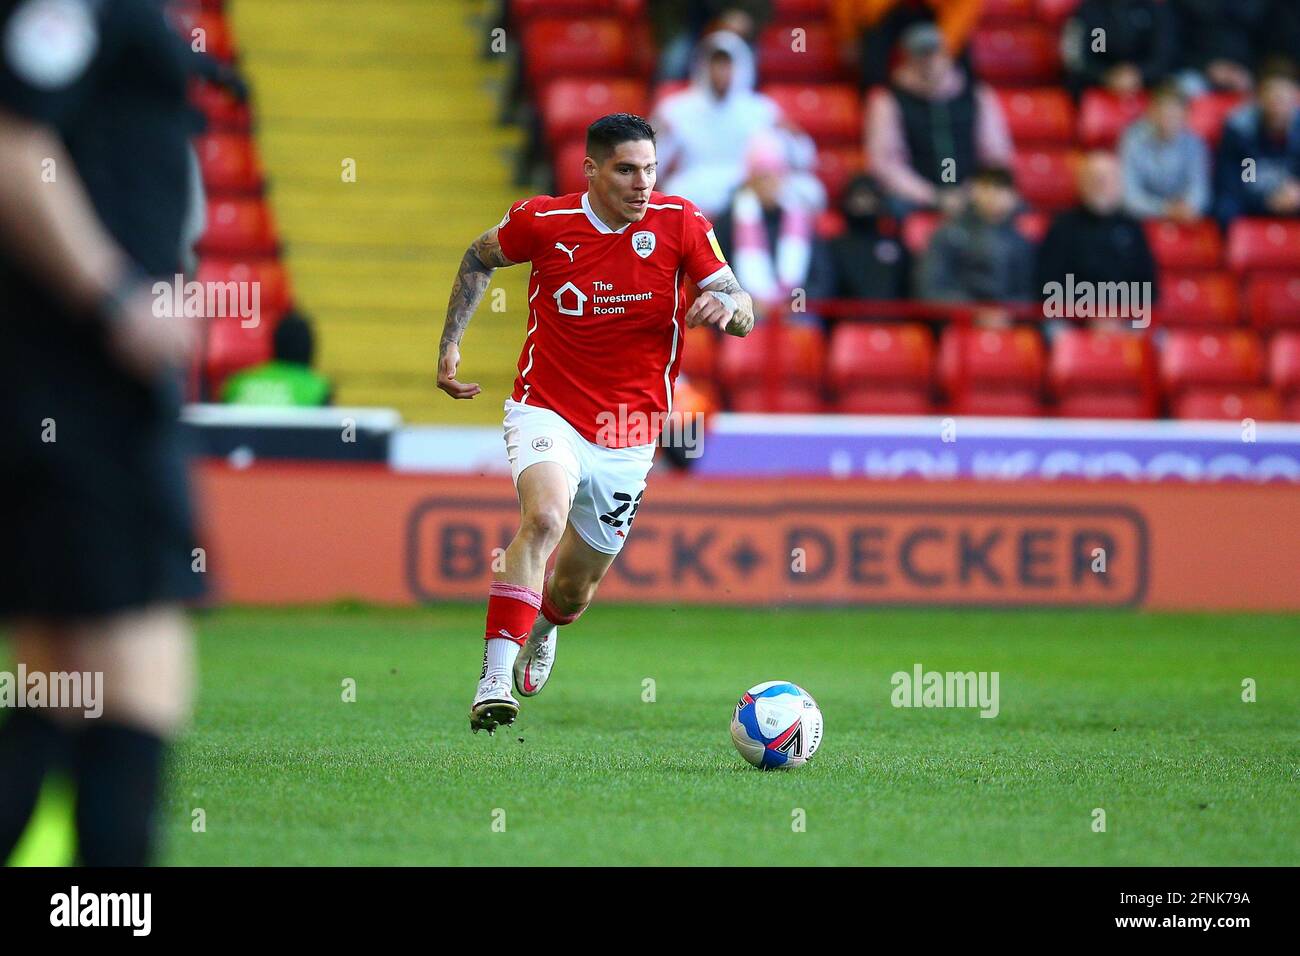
(777, 725)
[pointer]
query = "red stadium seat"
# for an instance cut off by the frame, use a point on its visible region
(700, 354)
(788, 57)
(1103, 116)
(1231, 358)
(1197, 298)
(830, 222)
(1273, 300)
(1024, 54)
(1230, 404)
(795, 398)
(1055, 11)
(569, 177)
(238, 227)
(867, 354)
(1105, 405)
(799, 352)
(232, 347)
(1193, 246)
(836, 165)
(1208, 112)
(1022, 402)
(1284, 363)
(800, 9)
(522, 11)
(228, 163)
(995, 10)
(991, 359)
(1033, 225)
(1095, 360)
(1097, 374)
(891, 400)
(224, 113)
(591, 47)
(1264, 244)
(568, 106)
(918, 227)
(1038, 117)
(644, 52)
(828, 112)
(274, 292)
(1046, 178)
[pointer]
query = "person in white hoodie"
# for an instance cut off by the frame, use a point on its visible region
(705, 131)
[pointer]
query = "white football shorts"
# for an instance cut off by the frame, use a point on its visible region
(605, 484)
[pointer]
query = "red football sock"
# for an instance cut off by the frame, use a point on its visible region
(511, 611)
(553, 613)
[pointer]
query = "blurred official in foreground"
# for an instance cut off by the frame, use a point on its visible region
(98, 539)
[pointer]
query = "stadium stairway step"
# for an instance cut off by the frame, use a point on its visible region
(402, 88)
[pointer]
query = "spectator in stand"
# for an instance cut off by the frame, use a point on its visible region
(1218, 40)
(1257, 170)
(288, 380)
(932, 127)
(1097, 241)
(1166, 165)
(692, 403)
(679, 24)
(767, 232)
(704, 131)
(868, 260)
(980, 256)
(868, 30)
(1135, 49)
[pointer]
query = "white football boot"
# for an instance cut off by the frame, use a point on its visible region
(535, 660)
(494, 706)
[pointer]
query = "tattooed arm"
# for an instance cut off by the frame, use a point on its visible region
(716, 310)
(481, 259)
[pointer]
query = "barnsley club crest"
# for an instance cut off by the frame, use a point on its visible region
(643, 243)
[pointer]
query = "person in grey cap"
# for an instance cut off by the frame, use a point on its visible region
(869, 30)
(932, 126)
(921, 39)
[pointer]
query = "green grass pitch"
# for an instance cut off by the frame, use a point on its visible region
(1138, 714)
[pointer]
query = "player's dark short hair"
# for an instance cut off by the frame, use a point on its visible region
(604, 135)
(995, 176)
(293, 340)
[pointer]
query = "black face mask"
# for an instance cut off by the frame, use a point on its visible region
(861, 222)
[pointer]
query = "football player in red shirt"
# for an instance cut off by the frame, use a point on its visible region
(606, 318)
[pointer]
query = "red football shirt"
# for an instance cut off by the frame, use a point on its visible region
(606, 310)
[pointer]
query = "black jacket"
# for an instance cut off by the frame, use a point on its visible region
(1096, 249)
